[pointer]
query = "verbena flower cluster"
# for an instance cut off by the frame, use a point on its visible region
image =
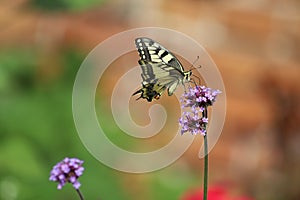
(68, 170)
(197, 99)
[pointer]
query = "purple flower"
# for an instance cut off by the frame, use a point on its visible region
(68, 170)
(198, 99)
(193, 123)
(199, 96)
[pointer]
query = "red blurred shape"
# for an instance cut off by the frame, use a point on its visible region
(214, 193)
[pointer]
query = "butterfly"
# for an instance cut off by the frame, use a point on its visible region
(150, 91)
(161, 70)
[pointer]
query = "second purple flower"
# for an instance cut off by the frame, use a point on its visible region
(197, 99)
(68, 170)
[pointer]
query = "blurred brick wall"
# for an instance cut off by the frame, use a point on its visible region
(256, 46)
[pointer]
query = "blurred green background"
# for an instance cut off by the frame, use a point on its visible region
(255, 44)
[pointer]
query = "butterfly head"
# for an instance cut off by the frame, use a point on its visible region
(187, 75)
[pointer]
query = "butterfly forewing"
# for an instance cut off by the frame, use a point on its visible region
(152, 51)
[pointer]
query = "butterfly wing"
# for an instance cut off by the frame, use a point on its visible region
(154, 52)
(150, 91)
(151, 72)
(161, 70)
(160, 74)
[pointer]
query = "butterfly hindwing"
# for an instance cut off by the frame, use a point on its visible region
(172, 88)
(151, 72)
(150, 91)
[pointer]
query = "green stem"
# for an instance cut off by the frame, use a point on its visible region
(205, 176)
(80, 195)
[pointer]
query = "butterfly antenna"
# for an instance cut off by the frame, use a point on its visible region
(192, 66)
(196, 68)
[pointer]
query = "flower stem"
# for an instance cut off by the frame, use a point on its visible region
(205, 176)
(80, 195)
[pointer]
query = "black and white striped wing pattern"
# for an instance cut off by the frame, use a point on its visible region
(152, 51)
(159, 65)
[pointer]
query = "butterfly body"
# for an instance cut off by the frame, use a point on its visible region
(161, 70)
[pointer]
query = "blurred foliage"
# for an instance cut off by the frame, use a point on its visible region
(17, 69)
(64, 5)
(173, 183)
(37, 130)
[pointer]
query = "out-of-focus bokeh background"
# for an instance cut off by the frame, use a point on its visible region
(255, 44)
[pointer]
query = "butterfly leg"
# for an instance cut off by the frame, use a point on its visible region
(199, 81)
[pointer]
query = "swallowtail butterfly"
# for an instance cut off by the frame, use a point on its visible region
(161, 70)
